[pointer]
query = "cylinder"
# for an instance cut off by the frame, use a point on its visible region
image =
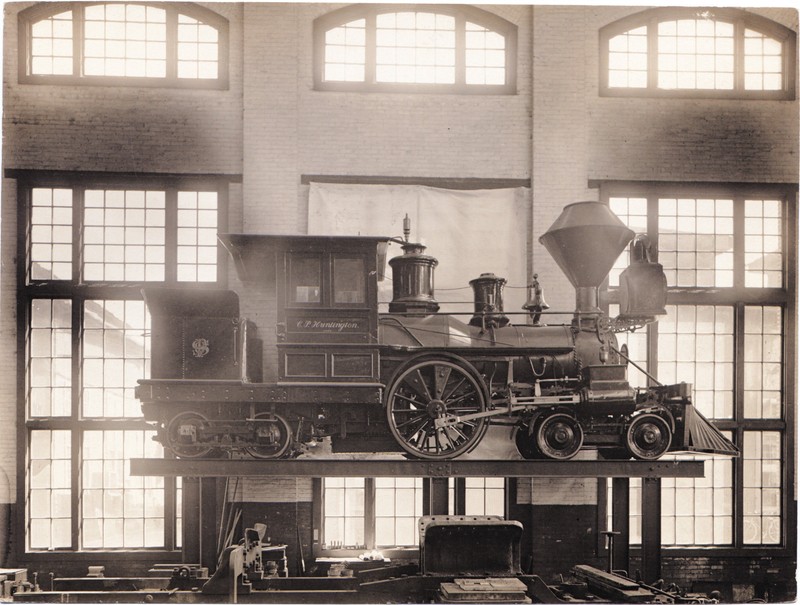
(412, 281)
(488, 296)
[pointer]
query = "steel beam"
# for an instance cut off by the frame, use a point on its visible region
(413, 468)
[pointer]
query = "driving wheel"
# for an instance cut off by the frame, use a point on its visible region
(430, 390)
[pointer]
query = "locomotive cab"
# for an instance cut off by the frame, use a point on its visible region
(327, 301)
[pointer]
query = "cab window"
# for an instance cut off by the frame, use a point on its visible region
(305, 279)
(348, 281)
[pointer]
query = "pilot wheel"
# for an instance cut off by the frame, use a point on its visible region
(184, 435)
(559, 436)
(431, 390)
(648, 437)
(273, 434)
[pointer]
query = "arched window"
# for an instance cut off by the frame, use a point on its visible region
(134, 43)
(727, 53)
(415, 48)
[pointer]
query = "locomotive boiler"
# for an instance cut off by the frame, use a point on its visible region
(411, 378)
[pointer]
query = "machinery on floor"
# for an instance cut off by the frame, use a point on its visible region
(451, 569)
(413, 379)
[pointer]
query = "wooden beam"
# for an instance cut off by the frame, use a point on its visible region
(413, 468)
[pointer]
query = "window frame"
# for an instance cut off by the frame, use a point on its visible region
(738, 298)
(740, 19)
(27, 17)
(461, 13)
(78, 291)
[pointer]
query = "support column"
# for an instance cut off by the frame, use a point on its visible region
(208, 523)
(651, 529)
(620, 522)
(438, 496)
(190, 518)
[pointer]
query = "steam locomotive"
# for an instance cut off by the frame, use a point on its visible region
(413, 379)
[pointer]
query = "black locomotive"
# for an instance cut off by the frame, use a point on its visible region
(412, 379)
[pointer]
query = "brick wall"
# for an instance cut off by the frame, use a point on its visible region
(8, 343)
(129, 129)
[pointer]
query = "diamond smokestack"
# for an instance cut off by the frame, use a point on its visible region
(585, 240)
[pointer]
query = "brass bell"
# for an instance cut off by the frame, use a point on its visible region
(536, 302)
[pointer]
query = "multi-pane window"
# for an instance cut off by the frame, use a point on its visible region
(694, 512)
(116, 353)
(50, 255)
(414, 47)
(763, 247)
(123, 235)
(148, 42)
(724, 250)
(49, 520)
(696, 345)
(762, 487)
(197, 236)
(124, 40)
(344, 511)
(50, 367)
(695, 241)
(398, 506)
(366, 513)
(706, 52)
(117, 509)
(763, 354)
(89, 251)
(481, 495)
(51, 44)
(374, 47)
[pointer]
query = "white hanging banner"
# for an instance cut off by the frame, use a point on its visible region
(469, 231)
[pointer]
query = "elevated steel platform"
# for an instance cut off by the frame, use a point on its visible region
(415, 468)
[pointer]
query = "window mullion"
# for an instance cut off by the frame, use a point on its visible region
(75, 462)
(652, 55)
(652, 328)
(369, 513)
(461, 51)
(171, 235)
(370, 48)
(77, 39)
(172, 44)
(738, 242)
(738, 55)
(738, 414)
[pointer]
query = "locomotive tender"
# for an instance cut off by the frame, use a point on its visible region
(412, 379)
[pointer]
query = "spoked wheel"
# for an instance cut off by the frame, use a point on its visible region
(183, 433)
(434, 389)
(273, 434)
(559, 436)
(648, 437)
